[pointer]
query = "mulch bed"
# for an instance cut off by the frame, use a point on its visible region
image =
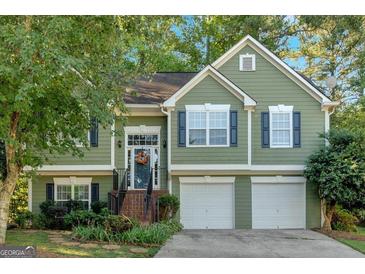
(343, 235)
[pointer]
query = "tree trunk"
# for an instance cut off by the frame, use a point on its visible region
(7, 186)
(329, 209)
(5, 196)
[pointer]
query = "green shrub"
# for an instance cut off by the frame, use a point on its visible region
(85, 218)
(98, 206)
(54, 215)
(168, 206)
(360, 214)
(39, 221)
(24, 219)
(19, 200)
(343, 220)
(117, 223)
(92, 233)
(73, 205)
(157, 233)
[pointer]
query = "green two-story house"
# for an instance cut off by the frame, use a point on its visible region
(230, 141)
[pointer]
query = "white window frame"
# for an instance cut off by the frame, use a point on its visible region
(77, 141)
(142, 130)
(282, 109)
(72, 181)
(253, 59)
(207, 108)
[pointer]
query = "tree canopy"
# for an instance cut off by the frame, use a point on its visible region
(339, 171)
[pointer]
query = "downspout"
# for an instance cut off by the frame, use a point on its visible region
(169, 179)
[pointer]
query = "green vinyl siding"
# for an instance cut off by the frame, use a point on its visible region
(39, 188)
(210, 91)
(175, 190)
(243, 209)
(147, 121)
(313, 206)
(100, 155)
(270, 87)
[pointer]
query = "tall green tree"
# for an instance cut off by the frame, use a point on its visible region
(205, 38)
(55, 73)
(333, 46)
(338, 171)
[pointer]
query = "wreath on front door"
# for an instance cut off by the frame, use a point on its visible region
(142, 158)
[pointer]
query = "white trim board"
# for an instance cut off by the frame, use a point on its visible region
(207, 180)
(142, 129)
(187, 167)
(72, 168)
(210, 71)
(268, 55)
(278, 179)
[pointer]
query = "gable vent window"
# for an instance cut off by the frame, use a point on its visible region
(247, 62)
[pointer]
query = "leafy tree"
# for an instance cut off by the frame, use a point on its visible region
(339, 172)
(333, 46)
(350, 116)
(55, 73)
(205, 38)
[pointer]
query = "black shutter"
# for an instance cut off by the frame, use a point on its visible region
(50, 192)
(94, 192)
(182, 129)
(233, 128)
(94, 132)
(265, 129)
(296, 129)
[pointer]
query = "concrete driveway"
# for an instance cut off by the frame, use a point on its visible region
(254, 243)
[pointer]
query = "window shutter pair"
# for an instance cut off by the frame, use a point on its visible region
(181, 119)
(265, 129)
(94, 192)
(94, 132)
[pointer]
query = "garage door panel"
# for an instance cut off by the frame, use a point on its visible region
(208, 205)
(278, 205)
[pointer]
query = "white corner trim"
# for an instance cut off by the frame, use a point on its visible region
(72, 168)
(169, 179)
(30, 194)
(142, 129)
(112, 145)
(326, 124)
(249, 137)
(278, 179)
(281, 108)
(207, 180)
(268, 55)
(209, 70)
(247, 55)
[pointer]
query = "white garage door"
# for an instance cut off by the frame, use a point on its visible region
(278, 205)
(206, 205)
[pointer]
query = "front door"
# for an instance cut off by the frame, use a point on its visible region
(142, 159)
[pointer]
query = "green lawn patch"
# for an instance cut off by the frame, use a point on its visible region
(46, 248)
(355, 244)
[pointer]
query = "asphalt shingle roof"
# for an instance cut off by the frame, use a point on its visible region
(162, 85)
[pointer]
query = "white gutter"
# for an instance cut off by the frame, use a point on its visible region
(169, 179)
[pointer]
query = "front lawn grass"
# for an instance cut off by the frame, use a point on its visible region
(45, 248)
(357, 244)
